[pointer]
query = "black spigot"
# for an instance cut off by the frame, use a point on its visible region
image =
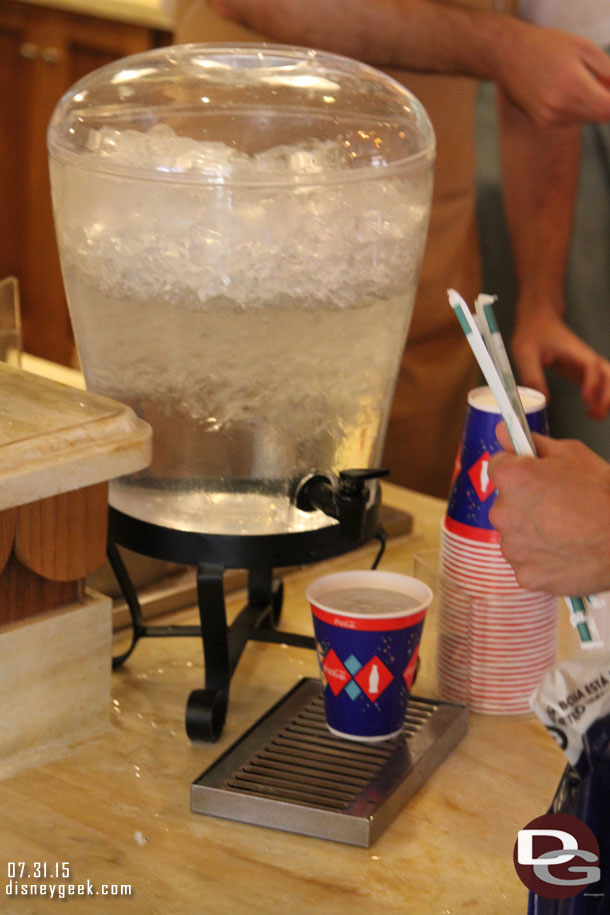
(353, 497)
(344, 498)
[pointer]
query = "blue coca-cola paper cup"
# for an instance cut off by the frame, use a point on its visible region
(367, 626)
(472, 493)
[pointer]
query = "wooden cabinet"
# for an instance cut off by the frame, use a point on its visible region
(42, 53)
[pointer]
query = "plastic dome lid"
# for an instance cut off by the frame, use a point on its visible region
(204, 112)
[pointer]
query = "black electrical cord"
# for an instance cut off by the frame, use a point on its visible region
(382, 537)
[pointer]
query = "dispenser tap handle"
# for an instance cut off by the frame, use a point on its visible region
(352, 498)
(344, 499)
(353, 480)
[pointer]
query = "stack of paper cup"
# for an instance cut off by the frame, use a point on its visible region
(496, 639)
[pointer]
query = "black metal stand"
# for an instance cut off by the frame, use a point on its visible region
(211, 554)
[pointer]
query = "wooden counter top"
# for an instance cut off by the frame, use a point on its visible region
(117, 808)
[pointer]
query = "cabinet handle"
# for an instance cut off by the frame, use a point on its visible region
(28, 50)
(51, 55)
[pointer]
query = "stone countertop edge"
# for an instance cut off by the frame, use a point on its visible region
(52, 454)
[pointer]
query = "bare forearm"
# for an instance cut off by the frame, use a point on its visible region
(555, 77)
(540, 175)
(417, 34)
(540, 172)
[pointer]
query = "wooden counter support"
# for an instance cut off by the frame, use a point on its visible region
(48, 547)
(59, 446)
(64, 537)
(23, 593)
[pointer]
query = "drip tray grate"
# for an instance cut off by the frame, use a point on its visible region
(289, 772)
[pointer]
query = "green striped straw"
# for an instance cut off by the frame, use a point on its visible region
(522, 440)
(487, 324)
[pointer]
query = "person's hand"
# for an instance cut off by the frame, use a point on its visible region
(555, 77)
(553, 515)
(542, 339)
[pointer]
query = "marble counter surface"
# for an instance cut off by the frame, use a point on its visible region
(116, 809)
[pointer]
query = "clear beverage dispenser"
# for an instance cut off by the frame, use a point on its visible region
(241, 231)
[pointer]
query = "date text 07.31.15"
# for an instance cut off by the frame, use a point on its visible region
(38, 870)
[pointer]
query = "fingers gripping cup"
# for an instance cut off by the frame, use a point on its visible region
(367, 627)
(472, 493)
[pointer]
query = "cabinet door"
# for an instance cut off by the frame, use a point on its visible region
(16, 80)
(44, 52)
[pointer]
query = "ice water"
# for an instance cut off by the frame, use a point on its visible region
(258, 329)
(369, 601)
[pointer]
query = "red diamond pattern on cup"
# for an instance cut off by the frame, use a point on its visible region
(479, 477)
(409, 671)
(374, 678)
(335, 672)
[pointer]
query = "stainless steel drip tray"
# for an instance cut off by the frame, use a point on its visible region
(289, 772)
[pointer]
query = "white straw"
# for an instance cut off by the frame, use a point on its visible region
(495, 344)
(477, 344)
